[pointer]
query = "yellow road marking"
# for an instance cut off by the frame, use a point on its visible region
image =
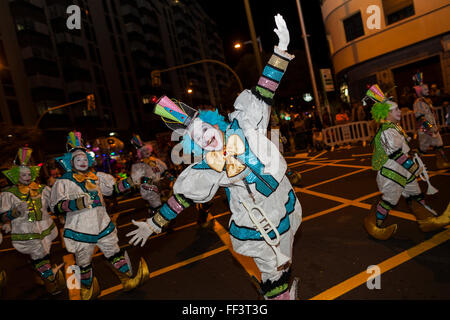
(362, 155)
(304, 161)
(128, 200)
(347, 202)
(344, 165)
(361, 278)
(318, 167)
(169, 268)
(246, 262)
(336, 178)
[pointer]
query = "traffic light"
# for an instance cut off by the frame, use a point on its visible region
(156, 78)
(90, 102)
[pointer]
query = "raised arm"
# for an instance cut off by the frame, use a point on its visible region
(277, 65)
(252, 108)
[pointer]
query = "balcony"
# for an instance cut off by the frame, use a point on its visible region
(33, 52)
(57, 10)
(39, 81)
(128, 9)
(75, 63)
(64, 37)
(79, 86)
(132, 27)
(153, 39)
(136, 46)
(26, 25)
(37, 3)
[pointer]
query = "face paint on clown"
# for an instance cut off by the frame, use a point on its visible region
(145, 152)
(207, 136)
(80, 162)
(425, 90)
(24, 176)
(395, 114)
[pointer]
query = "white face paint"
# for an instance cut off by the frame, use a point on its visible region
(80, 162)
(145, 152)
(395, 114)
(425, 90)
(25, 176)
(206, 136)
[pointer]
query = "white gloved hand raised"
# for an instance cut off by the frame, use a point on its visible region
(282, 32)
(141, 234)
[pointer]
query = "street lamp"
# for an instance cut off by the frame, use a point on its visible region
(239, 45)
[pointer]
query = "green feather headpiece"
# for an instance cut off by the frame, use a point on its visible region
(23, 158)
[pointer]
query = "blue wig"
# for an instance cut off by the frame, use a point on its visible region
(66, 161)
(211, 117)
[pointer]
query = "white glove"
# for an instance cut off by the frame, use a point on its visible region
(141, 234)
(6, 227)
(282, 32)
(87, 200)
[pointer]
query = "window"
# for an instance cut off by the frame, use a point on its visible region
(396, 10)
(353, 26)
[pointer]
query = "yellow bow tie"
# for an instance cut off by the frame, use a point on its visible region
(149, 161)
(33, 188)
(217, 160)
(81, 177)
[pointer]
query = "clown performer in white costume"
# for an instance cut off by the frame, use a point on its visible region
(25, 206)
(78, 195)
(238, 156)
(397, 173)
(147, 172)
(427, 128)
(2, 272)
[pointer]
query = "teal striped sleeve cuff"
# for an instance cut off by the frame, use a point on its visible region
(272, 74)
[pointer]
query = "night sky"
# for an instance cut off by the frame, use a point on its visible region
(232, 24)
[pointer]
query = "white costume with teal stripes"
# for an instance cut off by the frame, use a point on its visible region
(238, 156)
(84, 229)
(265, 176)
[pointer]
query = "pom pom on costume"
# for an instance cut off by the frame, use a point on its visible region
(379, 111)
(74, 147)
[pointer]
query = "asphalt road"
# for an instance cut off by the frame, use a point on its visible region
(332, 251)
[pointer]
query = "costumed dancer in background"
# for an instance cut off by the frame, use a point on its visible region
(2, 272)
(427, 128)
(78, 195)
(25, 205)
(397, 173)
(147, 172)
(238, 156)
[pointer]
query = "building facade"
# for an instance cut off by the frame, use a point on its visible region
(44, 64)
(387, 41)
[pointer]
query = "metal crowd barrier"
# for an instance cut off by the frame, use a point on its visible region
(348, 133)
(363, 131)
